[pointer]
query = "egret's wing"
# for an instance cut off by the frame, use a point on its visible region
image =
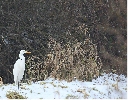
(18, 70)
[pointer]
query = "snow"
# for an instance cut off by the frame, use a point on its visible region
(104, 87)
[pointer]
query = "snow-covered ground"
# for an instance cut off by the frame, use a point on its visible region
(105, 87)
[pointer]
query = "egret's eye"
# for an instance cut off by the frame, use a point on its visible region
(21, 59)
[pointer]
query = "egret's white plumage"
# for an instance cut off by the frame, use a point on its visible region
(19, 67)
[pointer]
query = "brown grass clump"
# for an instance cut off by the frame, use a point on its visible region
(84, 92)
(35, 69)
(71, 97)
(78, 60)
(14, 95)
(1, 81)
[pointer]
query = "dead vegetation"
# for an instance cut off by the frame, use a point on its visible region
(1, 81)
(78, 60)
(14, 95)
(84, 92)
(72, 97)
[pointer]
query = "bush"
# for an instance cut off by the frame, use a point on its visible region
(78, 60)
(14, 95)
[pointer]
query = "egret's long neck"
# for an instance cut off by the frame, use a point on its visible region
(22, 57)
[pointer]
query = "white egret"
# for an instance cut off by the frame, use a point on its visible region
(19, 67)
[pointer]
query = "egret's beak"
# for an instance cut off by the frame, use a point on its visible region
(28, 52)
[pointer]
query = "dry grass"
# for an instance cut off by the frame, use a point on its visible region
(1, 81)
(84, 92)
(14, 95)
(72, 97)
(64, 62)
(62, 86)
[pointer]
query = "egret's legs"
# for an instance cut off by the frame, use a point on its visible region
(18, 84)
